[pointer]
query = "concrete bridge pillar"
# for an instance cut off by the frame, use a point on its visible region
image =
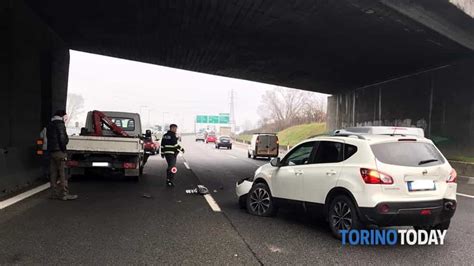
(33, 77)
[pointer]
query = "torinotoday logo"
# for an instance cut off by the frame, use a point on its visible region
(391, 237)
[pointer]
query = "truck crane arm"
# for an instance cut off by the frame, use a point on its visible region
(98, 118)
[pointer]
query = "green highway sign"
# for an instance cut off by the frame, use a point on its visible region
(222, 118)
(213, 119)
(202, 119)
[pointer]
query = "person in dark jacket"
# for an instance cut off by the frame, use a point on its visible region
(169, 150)
(57, 142)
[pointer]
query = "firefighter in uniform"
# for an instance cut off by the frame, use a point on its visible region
(169, 150)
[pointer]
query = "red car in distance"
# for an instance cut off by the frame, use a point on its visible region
(211, 138)
(151, 147)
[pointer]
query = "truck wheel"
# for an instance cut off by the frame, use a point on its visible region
(248, 155)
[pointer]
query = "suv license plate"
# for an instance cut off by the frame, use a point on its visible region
(420, 185)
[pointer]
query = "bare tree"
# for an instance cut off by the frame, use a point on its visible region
(313, 108)
(283, 107)
(74, 106)
(280, 106)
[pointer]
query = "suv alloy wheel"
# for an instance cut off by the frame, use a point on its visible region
(342, 215)
(260, 201)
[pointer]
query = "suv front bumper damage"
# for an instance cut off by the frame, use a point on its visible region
(243, 186)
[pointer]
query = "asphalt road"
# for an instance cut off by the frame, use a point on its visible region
(113, 223)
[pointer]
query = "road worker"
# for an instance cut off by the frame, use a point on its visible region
(170, 150)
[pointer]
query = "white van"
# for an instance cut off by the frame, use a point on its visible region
(263, 145)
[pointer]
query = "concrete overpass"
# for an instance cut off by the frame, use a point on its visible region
(386, 62)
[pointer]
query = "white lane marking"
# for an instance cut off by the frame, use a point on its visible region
(470, 179)
(187, 165)
(465, 195)
(212, 203)
(232, 156)
(22, 196)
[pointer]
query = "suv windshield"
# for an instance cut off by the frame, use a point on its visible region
(415, 154)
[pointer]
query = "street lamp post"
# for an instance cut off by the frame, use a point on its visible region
(163, 124)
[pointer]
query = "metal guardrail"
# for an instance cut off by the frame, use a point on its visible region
(463, 168)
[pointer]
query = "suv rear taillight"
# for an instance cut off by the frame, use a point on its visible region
(453, 176)
(372, 176)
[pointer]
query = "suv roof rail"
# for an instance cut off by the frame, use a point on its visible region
(319, 135)
(386, 130)
(264, 133)
(350, 135)
(344, 133)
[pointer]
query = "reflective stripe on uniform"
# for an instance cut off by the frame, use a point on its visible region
(175, 145)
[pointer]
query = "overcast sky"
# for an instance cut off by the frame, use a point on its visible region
(113, 84)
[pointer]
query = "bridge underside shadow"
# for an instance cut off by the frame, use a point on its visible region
(357, 50)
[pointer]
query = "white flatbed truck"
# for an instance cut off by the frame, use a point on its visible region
(116, 147)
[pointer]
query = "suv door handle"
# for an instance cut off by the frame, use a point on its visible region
(331, 172)
(298, 172)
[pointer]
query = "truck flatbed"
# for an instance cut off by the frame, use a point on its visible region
(95, 144)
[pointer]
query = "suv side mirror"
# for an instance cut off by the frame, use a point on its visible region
(275, 162)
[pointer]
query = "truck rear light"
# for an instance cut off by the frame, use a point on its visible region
(129, 165)
(371, 176)
(453, 176)
(39, 147)
(71, 164)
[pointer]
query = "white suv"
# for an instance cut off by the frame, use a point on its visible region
(383, 176)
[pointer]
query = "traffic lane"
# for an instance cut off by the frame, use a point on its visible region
(295, 238)
(112, 223)
(230, 165)
(239, 151)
